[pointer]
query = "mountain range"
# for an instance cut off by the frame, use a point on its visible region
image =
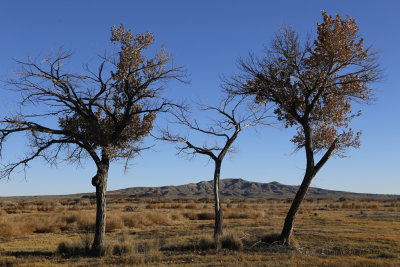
(229, 188)
(236, 188)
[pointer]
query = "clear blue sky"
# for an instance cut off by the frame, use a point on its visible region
(207, 37)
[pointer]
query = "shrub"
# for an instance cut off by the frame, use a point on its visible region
(176, 206)
(231, 241)
(191, 206)
(243, 214)
(206, 243)
(68, 248)
(190, 215)
(47, 228)
(86, 223)
(243, 206)
(387, 255)
(130, 221)
(123, 247)
(114, 223)
(82, 248)
(205, 215)
(129, 208)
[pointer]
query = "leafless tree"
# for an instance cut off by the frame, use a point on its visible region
(229, 119)
(103, 115)
(312, 87)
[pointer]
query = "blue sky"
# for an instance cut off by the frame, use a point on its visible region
(207, 37)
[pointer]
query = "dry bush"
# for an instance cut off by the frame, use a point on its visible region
(192, 206)
(72, 217)
(47, 227)
(11, 209)
(153, 206)
(77, 221)
(74, 208)
(123, 247)
(177, 217)
(69, 248)
(206, 243)
(114, 223)
(243, 214)
(46, 208)
(231, 241)
(130, 220)
(86, 223)
(176, 206)
(373, 206)
(388, 255)
(15, 226)
(242, 206)
(128, 208)
(146, 219)
(206, 215)
(190, 215)
(150, 218)
(132, 252)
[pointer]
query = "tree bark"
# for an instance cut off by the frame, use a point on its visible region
(217, 203)
(100, 182)
(287, 230)
(311, 171)
(291, 215)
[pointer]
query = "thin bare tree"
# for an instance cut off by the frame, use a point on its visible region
(103, 115)
(229, 119)
(313, 87)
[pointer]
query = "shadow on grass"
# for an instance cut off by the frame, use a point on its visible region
(30, 254)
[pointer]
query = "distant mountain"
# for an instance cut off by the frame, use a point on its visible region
(230, 188)
(236, 188)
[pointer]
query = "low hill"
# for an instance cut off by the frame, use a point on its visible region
(237, 188)
(230, 188)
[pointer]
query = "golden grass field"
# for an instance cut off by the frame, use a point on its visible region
(166, 232)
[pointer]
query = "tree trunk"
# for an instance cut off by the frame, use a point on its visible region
(291, 215)
(100, 182)
(301, 193)
(218, 209)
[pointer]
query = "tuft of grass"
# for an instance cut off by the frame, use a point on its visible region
(231, 241)
(69, 248)
(206, 243)
(205, 216)
(114, 223)
(243, 214)
(388, 255)
(123, 247)
(80, 248)
(192, 206)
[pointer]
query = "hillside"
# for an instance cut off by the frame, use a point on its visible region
(236, 188)
(231, 188)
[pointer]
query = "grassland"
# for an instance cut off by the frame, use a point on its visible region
(177, 232)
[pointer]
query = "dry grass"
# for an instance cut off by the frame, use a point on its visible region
(341, 232)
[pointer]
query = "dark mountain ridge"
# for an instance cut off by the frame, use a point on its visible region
(230, 188)
(238, 188)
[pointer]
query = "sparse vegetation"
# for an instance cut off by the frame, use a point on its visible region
(175, 236)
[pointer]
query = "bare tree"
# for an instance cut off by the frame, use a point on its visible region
(102, 114)
(229, 120)
(312, 87)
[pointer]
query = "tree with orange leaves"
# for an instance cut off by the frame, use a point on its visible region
(312, 87)
(103, 114)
